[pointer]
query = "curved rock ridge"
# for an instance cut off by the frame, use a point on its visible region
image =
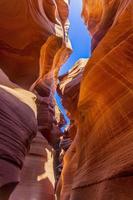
(52, 56)
(34, 44)
(25, 27)
(104, 113)
(102, 15)
(64, 186)
(49, 118)
(18, 126)
(61, 121)
(69, 86)
(105, 125)
(37, 180)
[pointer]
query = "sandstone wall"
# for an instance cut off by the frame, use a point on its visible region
(25, 27)
(105, 113)
(33, 45)
(68, 88)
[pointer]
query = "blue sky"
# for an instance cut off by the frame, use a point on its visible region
(78, 35)
(80, 40)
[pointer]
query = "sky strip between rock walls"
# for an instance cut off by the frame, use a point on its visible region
(80, 41)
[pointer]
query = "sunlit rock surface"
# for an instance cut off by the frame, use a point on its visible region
(69, 86)
(33, 45)
(37, 180)
(105, 107)
(64, 187)
(18, 126)
(104, 138)
(24, 27)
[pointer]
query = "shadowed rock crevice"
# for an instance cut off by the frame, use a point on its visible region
(34, 44)
(102, 148)
(94, 158)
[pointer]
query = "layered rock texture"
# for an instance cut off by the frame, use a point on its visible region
(69, 86)
(37, 179)
(18, 126)
(97, 93)
(33, 45)
(102, 149)
(25, 27)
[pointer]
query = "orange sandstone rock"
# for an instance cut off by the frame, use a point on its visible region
(105, 107)
(104, 140)
(25, 27)
(33, 45)
(37, 180)
(69, 86)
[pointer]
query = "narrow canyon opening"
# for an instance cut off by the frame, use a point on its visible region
(66, 77)
(81, 47)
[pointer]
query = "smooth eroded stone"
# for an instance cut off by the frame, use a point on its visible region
(104, 145)
(37, 178)
(69, 86)
(18, 126)
(25, 26)
(105, 108)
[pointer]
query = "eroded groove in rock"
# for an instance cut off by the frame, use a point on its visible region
(69, 85)
(104, 115)
(68, 88)
(34, 44)
(97, 94)
(24, 30)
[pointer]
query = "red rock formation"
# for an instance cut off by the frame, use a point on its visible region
(33, 46)
(69, 85)
(98, 164)
(37, 180)
(18, 126)
(105, 113)
(64, 186)
(68, 88)
(25, 27)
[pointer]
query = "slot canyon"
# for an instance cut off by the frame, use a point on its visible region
(42, 156)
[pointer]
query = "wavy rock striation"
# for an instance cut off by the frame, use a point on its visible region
(33, 45)
(68, 88)
(25, 27)
(105, 114)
